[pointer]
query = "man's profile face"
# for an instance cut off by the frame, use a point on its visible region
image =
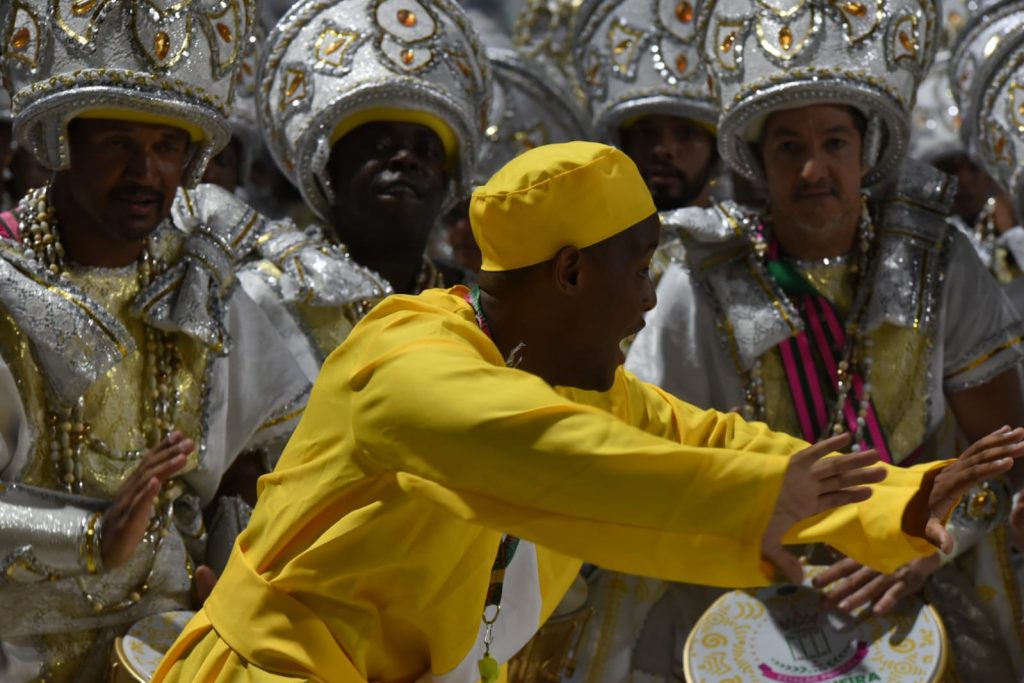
(617, 292)
(813, 165)
(675, 157)
(223, 169)
(124, 175)
(388, 175)
(974, 186)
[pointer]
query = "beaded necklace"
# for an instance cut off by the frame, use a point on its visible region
(853, 409)
(69, 433)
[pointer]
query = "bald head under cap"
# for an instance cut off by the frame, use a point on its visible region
(573, 194)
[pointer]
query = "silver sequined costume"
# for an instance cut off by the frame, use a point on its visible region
(87, 353)
(712, 337)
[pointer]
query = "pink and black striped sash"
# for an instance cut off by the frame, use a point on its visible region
(811, 360)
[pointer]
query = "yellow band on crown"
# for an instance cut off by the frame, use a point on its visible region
(195, 133)
(388, 114)
(710, 127)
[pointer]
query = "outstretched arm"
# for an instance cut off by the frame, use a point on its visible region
(514, 455)
(904, 509)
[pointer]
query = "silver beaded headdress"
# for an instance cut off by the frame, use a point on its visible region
(935, 121)
(166, 59)
(527, 111)
(640, 57)
(974, 57)
(328, 61)
(767, 55)
(994, 104)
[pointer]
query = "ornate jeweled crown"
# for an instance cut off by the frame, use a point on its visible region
(328, 60)
(988, 29)
(526, 112)
(543, 33)
(994, 116)
(936, 119)
(638, 57)
(767, 55)
(172, 59)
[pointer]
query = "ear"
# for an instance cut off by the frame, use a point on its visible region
(566, 267)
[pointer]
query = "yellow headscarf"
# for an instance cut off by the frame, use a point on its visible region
(572, 194)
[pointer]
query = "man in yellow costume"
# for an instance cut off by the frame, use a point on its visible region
(383, 547)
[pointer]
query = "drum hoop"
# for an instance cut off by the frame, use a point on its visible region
(943, 637)
(125, 663)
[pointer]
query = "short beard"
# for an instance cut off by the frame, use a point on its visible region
(691, 190)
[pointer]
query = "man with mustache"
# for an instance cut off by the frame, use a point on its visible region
(676, 157)
(134, 373)
(657, 107)
(849, 304)
(660, 110)
(379, 142)
(409, 536)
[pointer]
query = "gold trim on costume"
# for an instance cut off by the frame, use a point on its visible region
(975, 363)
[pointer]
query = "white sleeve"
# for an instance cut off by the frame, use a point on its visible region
(982, 330)
(256, 393)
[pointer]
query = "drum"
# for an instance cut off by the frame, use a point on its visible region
(138, 653)
(782, 633)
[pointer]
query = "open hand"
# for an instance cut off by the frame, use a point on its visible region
(813, 484)
(125, 521)
(987, 457)
(853, 585)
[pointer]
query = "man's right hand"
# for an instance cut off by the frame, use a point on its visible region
(813, 484)
(125, 521)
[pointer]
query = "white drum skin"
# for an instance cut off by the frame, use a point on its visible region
(781, 634)
(138, 653)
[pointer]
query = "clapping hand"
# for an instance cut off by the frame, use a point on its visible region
(125, 521)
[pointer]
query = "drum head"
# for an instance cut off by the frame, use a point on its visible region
(148, 640)
(781, 633)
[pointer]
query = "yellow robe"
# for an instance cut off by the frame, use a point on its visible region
(369, 553)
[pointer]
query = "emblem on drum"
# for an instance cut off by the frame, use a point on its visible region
(782, 634)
